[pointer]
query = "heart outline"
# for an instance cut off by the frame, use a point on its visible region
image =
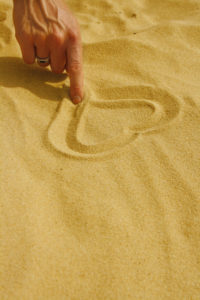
(68, 142)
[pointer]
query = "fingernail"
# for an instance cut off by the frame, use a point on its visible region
(77, 99)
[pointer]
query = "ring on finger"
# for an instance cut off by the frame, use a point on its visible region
(45, 60)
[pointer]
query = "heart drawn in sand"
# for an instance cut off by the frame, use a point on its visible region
(96, 128)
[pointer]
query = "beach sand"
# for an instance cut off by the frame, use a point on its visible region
(101, 200)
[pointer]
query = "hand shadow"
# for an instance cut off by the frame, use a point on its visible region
(15, 73)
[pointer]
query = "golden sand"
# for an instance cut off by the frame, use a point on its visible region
(101, 200)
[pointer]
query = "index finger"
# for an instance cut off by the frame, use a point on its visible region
(75, 68)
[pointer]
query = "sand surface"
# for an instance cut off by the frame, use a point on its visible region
(101, 200)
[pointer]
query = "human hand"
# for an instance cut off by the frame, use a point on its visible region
(47, 28)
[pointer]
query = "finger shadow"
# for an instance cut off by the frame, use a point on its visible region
(40, 81)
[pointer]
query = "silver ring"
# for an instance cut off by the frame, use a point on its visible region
(43, 60)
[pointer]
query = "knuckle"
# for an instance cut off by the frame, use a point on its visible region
(55, 39)
(74, 36)
(21, 35)
(75, 66)
(57, 70)
(43, 65)
(58, 39)
(28, 60)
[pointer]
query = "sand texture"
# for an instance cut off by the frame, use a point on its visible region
(101, 200)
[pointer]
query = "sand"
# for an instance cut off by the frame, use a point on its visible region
(101, 200)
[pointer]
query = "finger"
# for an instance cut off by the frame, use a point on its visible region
(41, 50)
(27, 48)
(75, 68)
(58, 59)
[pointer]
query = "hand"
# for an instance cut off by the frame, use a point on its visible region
(47, 28)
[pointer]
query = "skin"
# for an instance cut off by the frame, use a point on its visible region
(47, 28)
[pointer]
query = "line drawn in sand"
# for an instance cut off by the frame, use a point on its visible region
(86, 131)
